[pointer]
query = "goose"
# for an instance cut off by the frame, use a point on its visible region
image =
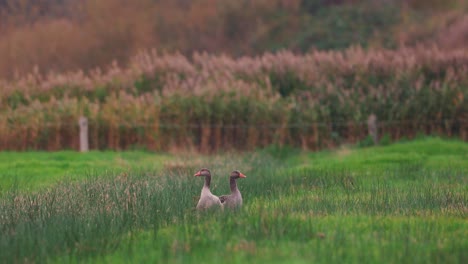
(207, 199)
(233, 200)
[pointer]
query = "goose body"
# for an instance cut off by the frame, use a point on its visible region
(233, 200)
(207, 199)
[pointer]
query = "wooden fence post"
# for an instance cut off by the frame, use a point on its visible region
(372, 128)
(84, 145)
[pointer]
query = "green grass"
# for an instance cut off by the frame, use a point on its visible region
(405, 203)
(426, 152)
(36, 170)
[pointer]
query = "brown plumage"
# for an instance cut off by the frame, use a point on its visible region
(233, 200)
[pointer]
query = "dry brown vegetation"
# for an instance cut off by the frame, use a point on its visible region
(206, 102)
(64, 35)
(89, 33)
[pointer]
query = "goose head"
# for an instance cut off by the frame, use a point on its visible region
(237, 174)
(203, 173)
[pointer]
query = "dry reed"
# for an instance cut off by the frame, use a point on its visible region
(207, 102)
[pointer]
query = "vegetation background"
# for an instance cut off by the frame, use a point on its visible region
(212, 75)
(66, 35)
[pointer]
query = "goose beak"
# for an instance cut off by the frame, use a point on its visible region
(242, 175)
(197, 174)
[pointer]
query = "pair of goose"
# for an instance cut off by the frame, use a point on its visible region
(209, 200)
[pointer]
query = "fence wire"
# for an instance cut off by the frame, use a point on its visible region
(379, 123)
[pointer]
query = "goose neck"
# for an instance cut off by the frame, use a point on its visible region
(207, 182)
(233, 185)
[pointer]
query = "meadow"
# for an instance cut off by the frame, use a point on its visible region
(402, 203)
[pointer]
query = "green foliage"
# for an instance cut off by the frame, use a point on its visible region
(147, 85)
(280, 152)
(16, 99)
(312, 6)
(287, 83)
(385, 140)
(341, 26)
(366, 142)
(99, 94)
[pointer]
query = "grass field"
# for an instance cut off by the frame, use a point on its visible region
(405, 203)
(35, 170)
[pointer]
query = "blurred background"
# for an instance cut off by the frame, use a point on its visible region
(64, 35)
(212, 75)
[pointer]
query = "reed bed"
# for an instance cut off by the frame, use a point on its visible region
(213, 102)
